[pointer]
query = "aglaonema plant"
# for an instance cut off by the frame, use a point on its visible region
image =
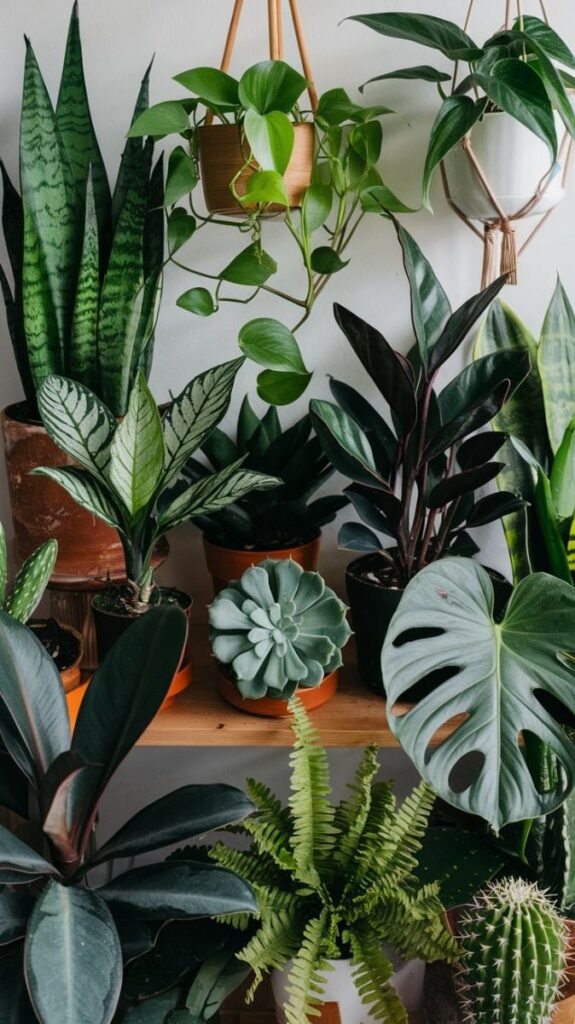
(30, 582)
(266, 104)
(86, 264)
(129, 470)
(65, 937)
(414, 480)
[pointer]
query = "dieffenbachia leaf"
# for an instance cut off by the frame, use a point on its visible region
(137, 450)
(78, 422)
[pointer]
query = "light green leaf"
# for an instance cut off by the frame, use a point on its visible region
(316, 207)
(137, 450)
(265, 188)
(251, 267)
(213, 86)
(181, 227)
(86, 491)
(271, 344)
(563, 475)
(455, 119)
(280, 388)
(198, 301)
(182, 176)
(271, 85)
(271, 139)
(78, 422)
(163, 119)
(556, 362)
(31, 581)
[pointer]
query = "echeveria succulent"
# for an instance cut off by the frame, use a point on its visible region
(278, 628)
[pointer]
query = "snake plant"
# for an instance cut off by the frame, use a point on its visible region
(30, 581)
(86, 264)
(278, 628)
(128, 470)
(337, 881)
(515, 955)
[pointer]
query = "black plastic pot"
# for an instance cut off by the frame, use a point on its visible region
(111, 623)
(372, 606)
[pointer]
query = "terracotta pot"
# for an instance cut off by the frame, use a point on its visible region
(87, 548)
(111, 625)
(181, 681)
(226, 564)
(222, 156)
(269, 707)
(71, 676)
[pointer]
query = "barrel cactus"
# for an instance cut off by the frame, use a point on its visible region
(515, 943)
(278, 628)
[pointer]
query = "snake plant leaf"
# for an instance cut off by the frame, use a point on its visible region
(426, 30)
(556, 362)
(213, 493)
(563, 475)
(491, 674)
(34, 725)
(192, 416)
(571, 547)
(153, 242)
(430, 307)
(455, 119)
(86, 491)
(74, 121)
(179, 889)
(51, 227)
(3, 565)
(78, 422)
(31, 581)
(137, 451)
(132, 155)
(83, 356)
(72, 957)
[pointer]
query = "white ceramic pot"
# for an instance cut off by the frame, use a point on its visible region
(340, 990)
(515, 163)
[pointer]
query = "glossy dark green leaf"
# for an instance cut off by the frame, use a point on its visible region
(15, 1007)
(325, 260)
(198, 301)
(367, 139)
(420, 73)
(212, 85)
(344, 443)
(179, 816)
(280, 388)
(426, 30)
(547, 38)
(152, 1011)
(271, 85)
(316, 207)
(15, 909)
(461, 321)
(518, 90)
(271, 344)
(251, 267)
(381, 436)
(179, 889)
(482, 376)
(356, 537)
(72, 958)
(132, 154)
(493, 507)
(380, 199)
(335, 108)
(430, 307)
(470, 420)
(13, 784)
(16, 856)
(454, 121)
(182, 176)
(181, 227)
(459, 484)
(480, 448)
(377, 515)
(163, 119)
(270, 138)
(217, 978)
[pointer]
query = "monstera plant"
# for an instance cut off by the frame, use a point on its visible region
(495, 684)
(65, 937)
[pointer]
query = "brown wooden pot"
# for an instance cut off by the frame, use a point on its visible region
(41, 509)
(225, 564)
(222, 156)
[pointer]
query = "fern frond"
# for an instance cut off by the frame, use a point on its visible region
(371, 977)
(352, 814)
(406, 832)
(276, 941)
(305, 983)
(314, 834)
(366, 870)
(271, 828)
(255, 868)
(414, 926)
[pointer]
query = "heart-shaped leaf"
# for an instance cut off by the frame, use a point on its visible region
(163, 119)
(252, 266)
(269, 343)
(271, 139)
(198, 301)
(455, 119)
(271, 85)
(280, 388)
(212, 85)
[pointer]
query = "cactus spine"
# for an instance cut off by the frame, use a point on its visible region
(514, 943)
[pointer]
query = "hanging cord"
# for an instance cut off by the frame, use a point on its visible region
(304, 53)
(544, 11)
(229, 47)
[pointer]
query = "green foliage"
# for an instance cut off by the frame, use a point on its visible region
(414, 481)
(514, 71)
(515, 955)
(86, 267)
(129, 470)
(445, 638)
(278, 628)
(67, 937)
(281, 516)
(334, 881)
(30, 582)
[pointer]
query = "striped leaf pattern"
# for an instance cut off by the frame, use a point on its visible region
(571, 547)
(153, 267)
(51, 227)
(193, 415)
(137, 451)
(83, 357)
(213, 493)
(31, 581)
(13, 226)
(557, 365)
(86, 491)
(132, 155)
(74, 122)
(77, 422)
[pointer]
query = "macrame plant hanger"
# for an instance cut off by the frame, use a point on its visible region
(276, 42)
(500, 251)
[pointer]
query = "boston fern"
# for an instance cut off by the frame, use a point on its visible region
(282, 516)
(129, 470)
(514, 71)
(414, 482)
(86, 264)
(333, 882)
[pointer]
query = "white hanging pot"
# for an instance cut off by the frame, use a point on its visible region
(516, 164)
(341, 1003)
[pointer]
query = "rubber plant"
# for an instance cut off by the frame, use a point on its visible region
(413, 482)
(86, 264)
(540, 419)
(334, 882)
(265, 103)
(65, 938)
(127, 469)
(515, 70)
(30, 581)
(283, 516)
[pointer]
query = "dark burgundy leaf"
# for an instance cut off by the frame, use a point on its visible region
(463, 483)
(460, 323)
(493, 507)
(480, 448)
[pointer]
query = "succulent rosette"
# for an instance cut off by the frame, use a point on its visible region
(278, 628)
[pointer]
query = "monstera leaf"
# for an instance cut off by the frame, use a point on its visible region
(506, 680)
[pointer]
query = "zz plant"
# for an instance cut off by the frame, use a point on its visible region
(128, 469)
(30, 581)
(413, 482)
(65, 938)
(86, 264)
(515, 70)
(337, 882)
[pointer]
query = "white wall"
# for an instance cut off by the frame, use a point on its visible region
(119, 38)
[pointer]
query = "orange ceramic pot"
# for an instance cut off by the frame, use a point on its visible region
(226, 564)
(71, 675)
(268, 707)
